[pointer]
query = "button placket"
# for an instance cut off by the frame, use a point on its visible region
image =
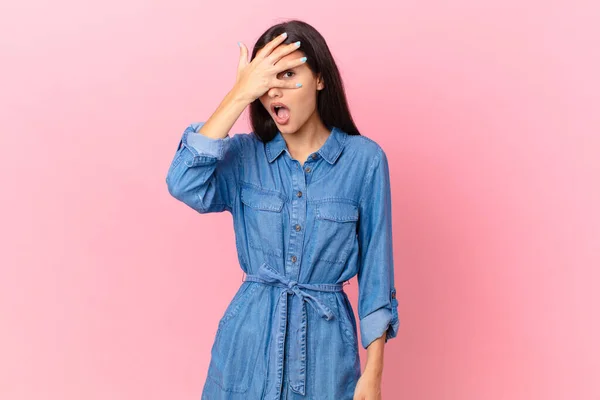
(298, 216)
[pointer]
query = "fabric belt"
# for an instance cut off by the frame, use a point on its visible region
(297, 356)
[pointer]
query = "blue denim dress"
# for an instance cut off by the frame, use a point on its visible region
(302, 231)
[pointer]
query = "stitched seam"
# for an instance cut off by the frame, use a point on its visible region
(240, 157)
(369, 173)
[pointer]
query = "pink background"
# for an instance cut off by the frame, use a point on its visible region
(489, 114)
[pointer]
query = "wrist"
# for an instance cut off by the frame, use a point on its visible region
(372, 374)
(240, 96)
(374, 368)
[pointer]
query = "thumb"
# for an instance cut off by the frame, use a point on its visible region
(243, 56)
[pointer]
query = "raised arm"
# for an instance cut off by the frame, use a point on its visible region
(207, 166)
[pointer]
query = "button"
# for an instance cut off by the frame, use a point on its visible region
(393, 294)
(294, 258)
(314, 155)
(298, 227)
(307, 169)
(299, 194)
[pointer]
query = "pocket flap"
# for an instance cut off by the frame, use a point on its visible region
(261, 199)
(337, 211)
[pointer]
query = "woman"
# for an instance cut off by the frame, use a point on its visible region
(310, 199)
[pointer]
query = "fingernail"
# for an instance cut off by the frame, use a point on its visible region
(284, 34)
(303, 59)
(240, 44)
(297, 43)
(298, 85)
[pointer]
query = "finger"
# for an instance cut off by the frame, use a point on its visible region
(265, 51)
(289, 64)
(286, 84)
(243, 61)
(283, 51)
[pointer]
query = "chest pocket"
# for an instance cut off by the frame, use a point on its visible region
(334, 230)
(264, 218)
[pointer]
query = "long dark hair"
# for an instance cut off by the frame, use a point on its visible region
(331, 100)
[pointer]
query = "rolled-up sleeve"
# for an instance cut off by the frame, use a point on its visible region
(377, 304)
(205, 172)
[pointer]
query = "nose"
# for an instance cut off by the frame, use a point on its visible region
(274, 92)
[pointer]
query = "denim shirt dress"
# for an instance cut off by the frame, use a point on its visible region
(301, 232)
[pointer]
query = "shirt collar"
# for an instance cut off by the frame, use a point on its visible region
(330, 150)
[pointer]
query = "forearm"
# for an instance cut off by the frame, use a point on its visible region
(375, 350)
(227, 113)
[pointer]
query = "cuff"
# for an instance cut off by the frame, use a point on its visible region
(374, 325)
(201, 145)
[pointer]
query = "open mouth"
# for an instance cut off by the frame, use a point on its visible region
(280, 112)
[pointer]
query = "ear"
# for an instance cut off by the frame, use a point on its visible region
(320, 82)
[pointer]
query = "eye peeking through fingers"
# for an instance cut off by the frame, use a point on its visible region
(288, 72)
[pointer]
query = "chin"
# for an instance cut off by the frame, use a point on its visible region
(287, 128)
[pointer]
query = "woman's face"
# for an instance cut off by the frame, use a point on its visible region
(300, 103)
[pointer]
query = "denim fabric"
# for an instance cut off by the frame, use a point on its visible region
(302, 231)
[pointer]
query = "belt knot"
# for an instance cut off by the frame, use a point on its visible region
(297, 368)
(292, 288)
